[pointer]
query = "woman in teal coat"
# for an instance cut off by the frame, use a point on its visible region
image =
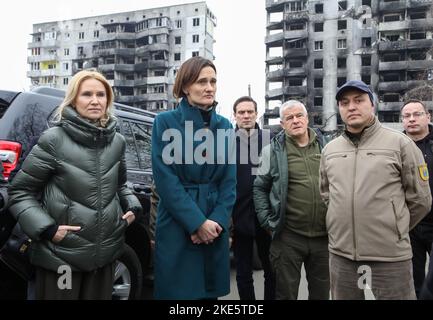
(196, 181)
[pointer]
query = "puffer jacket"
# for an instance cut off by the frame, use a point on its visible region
(376, 192)
(80, 172)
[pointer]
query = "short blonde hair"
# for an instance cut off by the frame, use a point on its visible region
(74, 87)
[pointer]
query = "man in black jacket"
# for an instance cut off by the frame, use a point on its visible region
(246, 229)
(416, 122)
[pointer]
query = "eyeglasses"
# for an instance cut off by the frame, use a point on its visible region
(291, 117)
(416, 115)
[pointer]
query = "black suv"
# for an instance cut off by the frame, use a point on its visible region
(23, 118)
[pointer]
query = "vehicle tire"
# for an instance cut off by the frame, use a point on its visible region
(128, 276)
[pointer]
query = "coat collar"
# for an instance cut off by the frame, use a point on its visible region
(83, 131)
(192, 113)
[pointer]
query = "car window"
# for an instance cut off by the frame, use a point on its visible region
(143, 143)
(131, 154)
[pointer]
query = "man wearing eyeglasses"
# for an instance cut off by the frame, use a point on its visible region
(288, 205)
(416, 123)
(375, 182)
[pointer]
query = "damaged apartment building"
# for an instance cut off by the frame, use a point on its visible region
(313, 47)
(139, 52)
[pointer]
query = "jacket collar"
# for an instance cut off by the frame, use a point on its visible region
(368, 131)
(192, 113)
(85, 132)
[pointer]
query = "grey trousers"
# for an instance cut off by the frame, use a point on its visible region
(287, 254)
(93, 285)
(387, 280)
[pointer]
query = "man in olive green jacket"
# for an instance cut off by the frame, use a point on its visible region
(288, 205)
(376, 185)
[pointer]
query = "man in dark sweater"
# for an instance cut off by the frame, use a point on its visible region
(416, 122)
(246, 229)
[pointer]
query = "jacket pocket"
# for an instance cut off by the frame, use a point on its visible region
(396, 220)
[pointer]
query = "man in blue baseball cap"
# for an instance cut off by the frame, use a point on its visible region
(355, 85)
(375, 183)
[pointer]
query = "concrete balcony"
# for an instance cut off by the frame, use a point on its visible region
(153, 31)
(49, 43)
(296, 16)
(275, 5)
(48, 72)
(33, 73)
(389, 106)
(151, 97)
(419, 3)
(295, 52)
(274, 93)
(140, 82)
(44, 57)
(117, 36)
(403, 65)
(399, 86)
(157, 64)
(405, 44)
(125, 99)
(420, 64)
(296, 90)
(393, 25)
(157, 80)
(152, 47)
(407, 24)
(392, 86)
(141, 66)
(124, 67)
(295, 71)
(274, 60)
(276, 25)
(123, 83)
(116, 51)
(276, 75)
(393, 65)
(295, 34)
(32, 45)
(275, 39)
(392, 6)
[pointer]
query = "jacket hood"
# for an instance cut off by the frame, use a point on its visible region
(85, 132)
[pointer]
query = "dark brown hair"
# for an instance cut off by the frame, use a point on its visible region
(244, 99)
(414, 101)
(188, 73)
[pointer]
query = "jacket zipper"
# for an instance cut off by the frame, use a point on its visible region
(98, 181)
(353, 205)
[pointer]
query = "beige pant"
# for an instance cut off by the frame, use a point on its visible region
(387, 280)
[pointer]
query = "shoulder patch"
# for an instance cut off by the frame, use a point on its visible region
(423, 172)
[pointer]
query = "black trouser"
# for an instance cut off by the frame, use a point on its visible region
(243, 246)
(421, 238)
(92, 285)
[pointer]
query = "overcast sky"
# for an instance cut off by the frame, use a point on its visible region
(239, 35)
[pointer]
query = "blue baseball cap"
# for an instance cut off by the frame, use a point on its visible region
(357, 85)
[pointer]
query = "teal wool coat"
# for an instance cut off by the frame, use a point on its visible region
(190, 193)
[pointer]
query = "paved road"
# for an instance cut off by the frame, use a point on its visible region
(258, 286)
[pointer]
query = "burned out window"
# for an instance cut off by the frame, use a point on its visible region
(341, 81)
(366, 61)
(341, 63)
(318, 64)
(366, 78)
(318, 8)
(318, 83)
(318, 101)
(318, 27)
(295, 64)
